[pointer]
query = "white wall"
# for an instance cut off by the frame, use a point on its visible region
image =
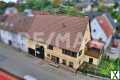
(22, 42)
(18, 41)
(5, 36)
(99, 32)
(96, 61)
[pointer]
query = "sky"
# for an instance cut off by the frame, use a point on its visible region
(9, 0)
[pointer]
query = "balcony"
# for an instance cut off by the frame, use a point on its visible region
(93, 52)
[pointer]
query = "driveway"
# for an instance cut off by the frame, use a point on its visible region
(22, 64)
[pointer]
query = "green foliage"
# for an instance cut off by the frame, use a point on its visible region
(114, 14)
(3, 5)
(101, 7)
(47, 5)
(116, 5)
(35, 4)
(118, 18)
(108, 65)
(69, 10)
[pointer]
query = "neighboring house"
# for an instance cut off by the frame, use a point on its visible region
(12, 29)
(102, 29)
(60, 53)
(21, 1)
(84, 5)
(10, 10)
(114, 51)
(108, 3)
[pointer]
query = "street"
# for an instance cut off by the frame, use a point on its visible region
(22, 64)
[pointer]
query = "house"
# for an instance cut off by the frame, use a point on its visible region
(108, 3)
(13, 28)
(56, 52)
(84, 5)
(10, 11)
(102, 29)
(54, 38)
(114, 50)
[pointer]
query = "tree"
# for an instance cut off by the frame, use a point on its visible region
(118, 18)
(116, 5)
(69, 10)
(3, 6)
(38, 4)
(56, 3)
(101, 7)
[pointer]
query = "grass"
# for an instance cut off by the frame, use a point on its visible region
(103, 69)
(107, 65)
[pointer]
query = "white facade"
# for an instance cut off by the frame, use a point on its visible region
(18, 40)
(97, 32)
(11, 10)
(87, 8)
(5, 36)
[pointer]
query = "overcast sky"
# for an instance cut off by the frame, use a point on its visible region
(9, 0)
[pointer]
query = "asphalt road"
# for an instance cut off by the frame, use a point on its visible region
(23, 64)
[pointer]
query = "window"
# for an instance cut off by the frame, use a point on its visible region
(64, 62)
(94, 30)
(90, 60)
(100, 39)
(50, 47)
(71, 64)
(70, 53)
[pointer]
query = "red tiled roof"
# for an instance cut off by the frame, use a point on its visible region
(17, 23)
(4, 75)
(95, 44)
(60, 24)
(49, 24)
(105, 25)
